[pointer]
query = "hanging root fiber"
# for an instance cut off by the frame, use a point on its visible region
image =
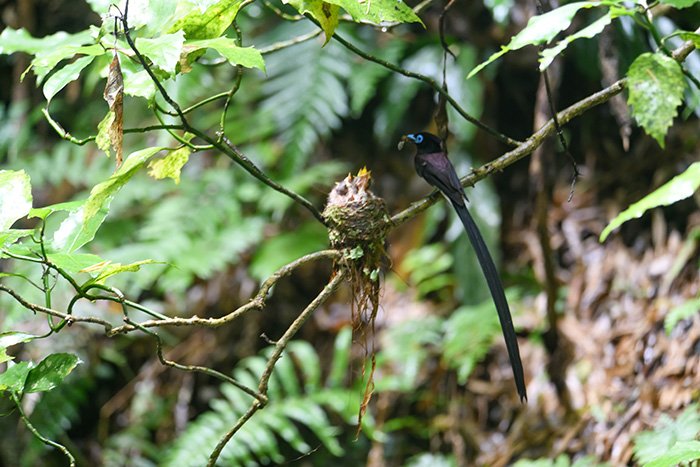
(358, 222)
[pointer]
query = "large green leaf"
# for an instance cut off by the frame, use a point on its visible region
(15, 197)
(82, 224)
(378, 11)
(50, 372)
(65, 75)
(539, 30)
(656, 86)
(13, 379)
(47, 59)
(19, 40)
(593, 29)
(210, 23)
(164, 51)
(245, 56)
(8, 237)
(43, 212)
(8, 339)
(74, 262)
(680, 187)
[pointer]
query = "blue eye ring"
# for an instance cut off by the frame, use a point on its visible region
(416, 138)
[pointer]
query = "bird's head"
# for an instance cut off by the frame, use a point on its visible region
(426, 143)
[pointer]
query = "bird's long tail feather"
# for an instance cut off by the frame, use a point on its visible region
(499, 298)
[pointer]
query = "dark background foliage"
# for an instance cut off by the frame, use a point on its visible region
(443, 392)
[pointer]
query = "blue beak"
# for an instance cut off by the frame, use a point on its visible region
(412, 137)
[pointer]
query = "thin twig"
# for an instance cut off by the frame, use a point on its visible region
(70, 319)
(221, 143)
(280, 346)
(433, 84)
(288, 43)
(256, 303)
(196, 368)
(40, 437)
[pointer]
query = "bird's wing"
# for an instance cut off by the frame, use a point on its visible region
(437, 170)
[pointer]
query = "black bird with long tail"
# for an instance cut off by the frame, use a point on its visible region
(433, 165)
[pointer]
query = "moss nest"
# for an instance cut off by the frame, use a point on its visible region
(356, 216)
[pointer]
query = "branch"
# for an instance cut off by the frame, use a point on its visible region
(525, 148)
(534, 141)
(262, 399)
(81, 142)
(277, 353)
(221, 143)
(430, 82)
(256, 303)
(69, 319)
(40, 437)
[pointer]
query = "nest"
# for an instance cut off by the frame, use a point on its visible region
(356, 215)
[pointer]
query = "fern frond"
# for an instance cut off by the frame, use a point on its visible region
(307, 96)
(299, 405)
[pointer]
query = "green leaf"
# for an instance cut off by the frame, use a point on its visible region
(13, 379)
(592, 30)
(82, 224)
(19, 40)
(74, 262)
(8, 237)
(246, 56)
(680, 3)
(694, 37)
(50, 372)
(285, 248)
(678, 188)
(681, 453)
(539, 30)
(681, 312)
(65, 75)
(153, 15)
(325, 13)
(164, 51)
(43, 212)
(481, 324)
(170, 165)
(656, 86)
(15, 197)
(650, 445)
(341, 358)
(47, 59)
(8, 339)
(139, 84)
(107, 269)
(102, 139)
(378, 11)
(210, 23)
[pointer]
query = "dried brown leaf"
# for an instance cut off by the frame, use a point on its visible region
(114, 95)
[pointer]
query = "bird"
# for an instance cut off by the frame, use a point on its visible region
(433, 165)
